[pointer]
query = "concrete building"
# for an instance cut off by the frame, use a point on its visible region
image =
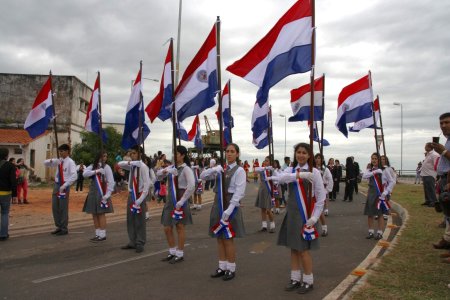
(17, 95)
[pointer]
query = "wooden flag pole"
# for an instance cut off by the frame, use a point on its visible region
(381, 126)
(323, 117)
(229, 105)
(54, 114)
(174, 113)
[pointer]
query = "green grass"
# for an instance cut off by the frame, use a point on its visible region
(413, 269)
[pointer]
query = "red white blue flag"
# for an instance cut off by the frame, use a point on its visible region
(285, 50)
(161, 105)
(135, 117)
(226, 114)
(368, 122)
(195, 133)
(198, 86)
(301, 101)
(42, 111)
(93, 123)
(354, 103)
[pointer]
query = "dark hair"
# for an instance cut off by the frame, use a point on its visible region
(379, 159)
(137, 148)
(19, 160)
(4, 152)
(286, 159)
(183, 151)
(64, 147)
(97, 159)
(276, 164)
(11, 159)
(296, 147)
(444, 115)
(236, 147)
(387, 160)
(322, 158)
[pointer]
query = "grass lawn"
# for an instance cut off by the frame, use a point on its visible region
(413, 269)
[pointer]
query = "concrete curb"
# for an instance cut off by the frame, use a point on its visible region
(358, 278)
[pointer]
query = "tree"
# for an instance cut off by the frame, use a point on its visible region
(90, 146)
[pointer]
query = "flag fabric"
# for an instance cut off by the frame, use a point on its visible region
(368, 122)
(134, 116)
(195, 133)
(354, 103)
(160, 106)
(198, 86)
(285, 50)
(260, 125)
(226, 114)
(316, 136)
(92, 122)
(182, 132)
(42, 111)
(301, 101)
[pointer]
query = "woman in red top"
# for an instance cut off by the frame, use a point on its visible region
(246, 169)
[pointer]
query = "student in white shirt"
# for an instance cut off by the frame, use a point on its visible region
(65, 176)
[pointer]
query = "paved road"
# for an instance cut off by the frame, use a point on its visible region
(43, 266)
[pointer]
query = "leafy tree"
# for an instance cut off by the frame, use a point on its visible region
(88, 149)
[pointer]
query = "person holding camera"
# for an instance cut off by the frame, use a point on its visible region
(443, 171)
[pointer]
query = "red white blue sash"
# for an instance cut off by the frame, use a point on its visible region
(134, 193)
(101, 188)
(382, 204)
(177, 214)
(199, 182)
(222, 226)
(308, 233)
(61, 181)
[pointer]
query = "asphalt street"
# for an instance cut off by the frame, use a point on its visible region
(43, 266)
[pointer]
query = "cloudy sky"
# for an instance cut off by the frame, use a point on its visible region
(404, 43)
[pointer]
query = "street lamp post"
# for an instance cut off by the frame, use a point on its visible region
(151, 79)
(284, 116)
(401, 136)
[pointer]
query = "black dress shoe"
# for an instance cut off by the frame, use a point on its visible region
(379, 236)
(305, 288)
(127, 247)
(4, 238)
(263, 229)
(62, 232)
(56, 231)
(425, 203)
(370, 236)
(94, 238)
(219, 273)
(168, 257)
(228, 275)
(98, 239)
(176, 259)
(293, 285)
(139, 249)
(442, 244)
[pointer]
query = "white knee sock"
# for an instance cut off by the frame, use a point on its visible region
(264, 224)
(223, 265)
(172, 251)
(272, 225)
(102, 233)
(97, 233)
(179, 253)
(231, 267)
(296, 275)
(308, 278)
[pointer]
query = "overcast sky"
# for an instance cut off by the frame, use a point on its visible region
(404, 43)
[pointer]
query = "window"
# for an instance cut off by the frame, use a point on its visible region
(83, 105)
(17, 151)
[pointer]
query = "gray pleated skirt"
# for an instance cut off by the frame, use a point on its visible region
(92, 202)
(237, 221)
(166, 217)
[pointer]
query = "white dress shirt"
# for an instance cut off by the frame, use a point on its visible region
(109, 178)
(318, 189)
(186, 181)
(144, 178)
(69, 170)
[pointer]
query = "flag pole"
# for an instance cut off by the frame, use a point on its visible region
(323, 116)
(219, 94)
(219, 97)
(311, 109)
(374, 121)
(229, 105)
(141, 107)
(174, 113)
(381, 126)
(54, 113)
(100, 113)
(270, 136)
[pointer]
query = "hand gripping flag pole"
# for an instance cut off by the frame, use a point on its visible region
(222, 227)
(134, 192)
